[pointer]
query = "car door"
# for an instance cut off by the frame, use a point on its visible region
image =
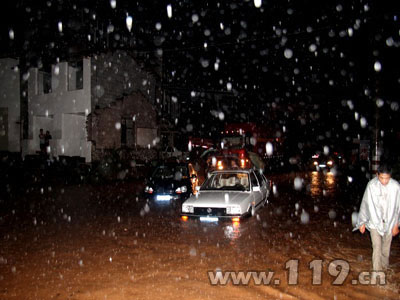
(263, 185)
(257, 196)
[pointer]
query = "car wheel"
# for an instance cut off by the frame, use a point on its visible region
(252, 211)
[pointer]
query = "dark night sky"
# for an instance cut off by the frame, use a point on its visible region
(306, 65)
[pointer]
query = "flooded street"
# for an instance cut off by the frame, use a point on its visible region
(107, 242)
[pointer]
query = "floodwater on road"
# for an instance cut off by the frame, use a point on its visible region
(107, 242)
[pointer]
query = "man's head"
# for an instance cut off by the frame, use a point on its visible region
(384, 174)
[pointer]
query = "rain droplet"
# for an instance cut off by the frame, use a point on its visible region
(304, 217)
(326, 150)
(118, 125)
(60, 26)
(11, 34)
(195, 18)
(129, 21)
(226, 197)
(113, 4)
(298, 183)
(363, 122)
(169, 11)
(257, 3)
(377, 66)
(269, 148)
(354, 218)
(379, 102)
(229, 86)
(288, 53)
(332, 214)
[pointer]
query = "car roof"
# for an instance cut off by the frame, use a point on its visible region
(232, 171)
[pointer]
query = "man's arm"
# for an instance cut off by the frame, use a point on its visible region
(363, 213)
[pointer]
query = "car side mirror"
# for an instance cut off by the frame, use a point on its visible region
(256, 188)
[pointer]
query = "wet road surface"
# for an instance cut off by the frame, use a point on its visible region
(107, 242)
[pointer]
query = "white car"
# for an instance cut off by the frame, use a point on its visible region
(228, 194)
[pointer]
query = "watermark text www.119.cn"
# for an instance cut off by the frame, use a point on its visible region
(337, 269)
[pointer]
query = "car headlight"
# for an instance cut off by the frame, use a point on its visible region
(233, 210)
(187, 209)
(148, 189)
(181, 189)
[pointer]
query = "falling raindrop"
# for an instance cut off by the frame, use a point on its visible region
(304, 217)
(118, 125)
(354, 218)
(363, 122)
(129, 21)
(169, 11)
(60, 26)
(226, 197)
(11, 34)
(377, 66)
(332, 214)
(298, 183)
(257, 3)
(113, 4)
(288, 53)
(269, 148)
(326, 150)
(229, 86)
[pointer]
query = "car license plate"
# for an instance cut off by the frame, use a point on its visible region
(209, 219)
(163, 197)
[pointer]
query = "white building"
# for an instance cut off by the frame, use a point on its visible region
(10, 129)
(61, 98)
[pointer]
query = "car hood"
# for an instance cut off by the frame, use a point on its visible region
(218, 199)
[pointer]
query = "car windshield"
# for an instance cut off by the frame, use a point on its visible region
(171, 172)
(238, 181)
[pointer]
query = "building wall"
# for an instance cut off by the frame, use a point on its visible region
(105, 130)
(9, 105)
(61, 111)
(115, 75)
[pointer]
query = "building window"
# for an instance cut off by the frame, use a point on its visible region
(127, 132)
(75, 75)
(44, 81)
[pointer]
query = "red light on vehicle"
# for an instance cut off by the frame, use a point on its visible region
(236, 219)
(185, 218)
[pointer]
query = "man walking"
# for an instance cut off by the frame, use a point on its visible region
(379, 213)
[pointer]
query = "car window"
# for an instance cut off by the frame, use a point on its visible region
(253, 179)
(260, 178)
(227, 181)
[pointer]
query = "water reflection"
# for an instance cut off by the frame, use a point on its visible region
(232, 231)
(322, 183)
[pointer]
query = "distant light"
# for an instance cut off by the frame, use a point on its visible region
(236, 219)
(185, 218)
(129, 21)
(169, 11)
